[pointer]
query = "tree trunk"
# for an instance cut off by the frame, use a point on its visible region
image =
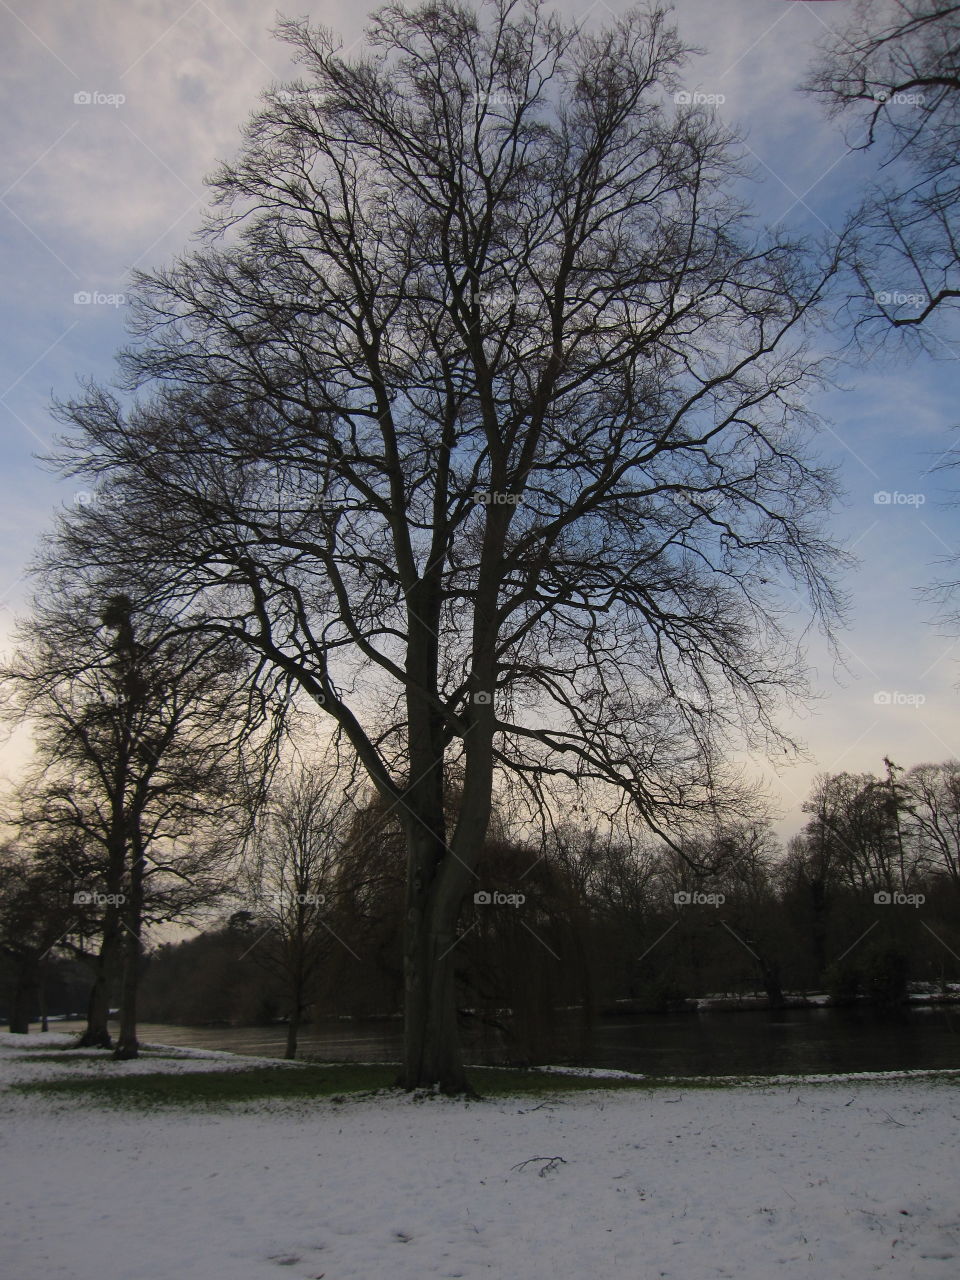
(97, 1032)
(127, 1044)
(42, 997)
(293, 1031)
(772, 985)
(24, 998)
(432, 1055)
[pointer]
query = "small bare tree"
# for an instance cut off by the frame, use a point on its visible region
(292, 877)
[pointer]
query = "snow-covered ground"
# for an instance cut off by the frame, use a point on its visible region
(844, 1180)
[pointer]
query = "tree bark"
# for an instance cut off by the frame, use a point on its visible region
(772, 985)
(293, 1032)
(24, 998)
(127, 1044)
(432, 1055)
(42, 996)
(96, 1035)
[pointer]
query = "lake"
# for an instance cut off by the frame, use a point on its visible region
(765, 1042)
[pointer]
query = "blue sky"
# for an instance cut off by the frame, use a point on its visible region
(93, 188)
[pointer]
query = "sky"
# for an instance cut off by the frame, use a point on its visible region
(114, 112)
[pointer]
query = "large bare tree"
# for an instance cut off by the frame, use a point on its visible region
(481, 420)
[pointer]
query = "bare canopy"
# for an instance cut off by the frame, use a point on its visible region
(480, 420)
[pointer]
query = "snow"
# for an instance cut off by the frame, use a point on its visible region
(842, 1180)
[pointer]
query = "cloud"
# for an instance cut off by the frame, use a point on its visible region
(94, 188)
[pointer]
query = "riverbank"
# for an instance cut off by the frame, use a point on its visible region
(845, 1178)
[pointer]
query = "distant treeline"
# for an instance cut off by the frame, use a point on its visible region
(863, 902)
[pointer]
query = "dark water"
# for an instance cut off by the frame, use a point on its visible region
(705, 1043)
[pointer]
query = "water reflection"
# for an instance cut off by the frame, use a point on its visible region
(704, 1043)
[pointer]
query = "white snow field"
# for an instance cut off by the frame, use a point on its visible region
(842, 1180)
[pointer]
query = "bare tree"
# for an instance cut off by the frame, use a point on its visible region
(136, 731)
(856, 834)
(895, 68)
(300, 833)
(932, 802)
(36, 914)
(483, 425)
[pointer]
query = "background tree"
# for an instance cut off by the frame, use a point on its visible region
(136, 732)
(300, 832)
(932, 803)
(37, 913)
(483, 425)
(894, 66)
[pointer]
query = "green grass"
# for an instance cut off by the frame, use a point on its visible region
(333, 1082)
(214, 1087)
(338, 1081)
